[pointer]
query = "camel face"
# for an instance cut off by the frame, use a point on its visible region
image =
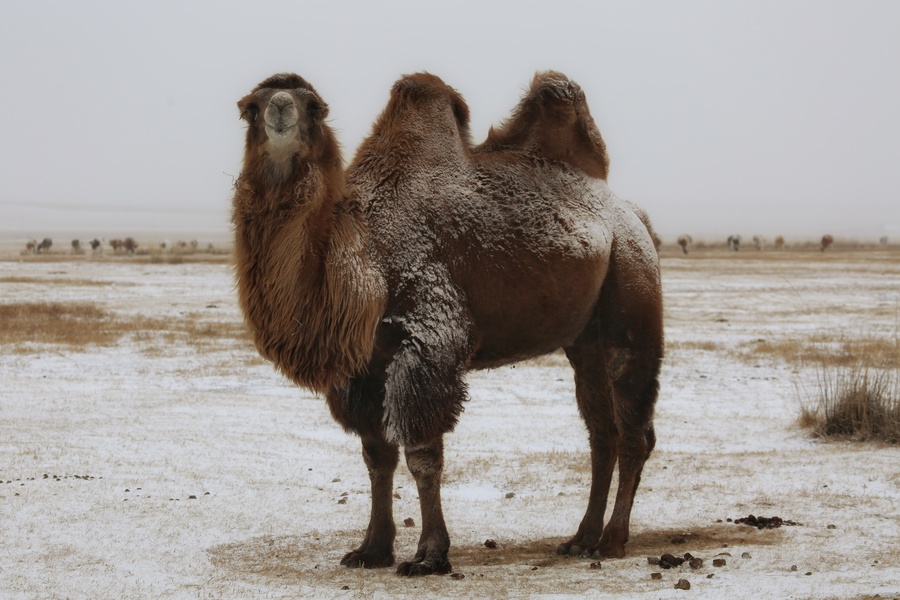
(284, 115)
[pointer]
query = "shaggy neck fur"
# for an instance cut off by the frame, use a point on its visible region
(305, 283)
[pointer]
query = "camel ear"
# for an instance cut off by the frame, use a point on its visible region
(248, 109)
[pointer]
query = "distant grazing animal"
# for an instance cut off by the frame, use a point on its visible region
(95, 245)
(734, 242)
(117, 245)
(685, 242)
(759, 242)
(826, 242)
(883, 240)
(779, 242)
(31, 246)
(76, 246)
(129, 245)
(44, 246)
(382, 284)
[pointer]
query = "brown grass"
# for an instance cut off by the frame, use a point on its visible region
(826, 351)
(82, 324)
(856, 403)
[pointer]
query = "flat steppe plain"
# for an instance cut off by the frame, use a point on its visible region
(146, 451)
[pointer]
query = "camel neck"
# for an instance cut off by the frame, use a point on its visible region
(305, 282)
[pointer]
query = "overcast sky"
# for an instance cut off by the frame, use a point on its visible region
(763, 117)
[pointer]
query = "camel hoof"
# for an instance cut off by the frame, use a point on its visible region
(367, 560)
(418, 569)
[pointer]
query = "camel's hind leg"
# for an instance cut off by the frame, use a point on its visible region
(617, 361)
(593, 391)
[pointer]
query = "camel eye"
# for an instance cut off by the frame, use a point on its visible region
(252, 112)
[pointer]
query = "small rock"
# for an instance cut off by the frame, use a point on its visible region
(696, 563)
(596, 565)
(711, 575)
(346, 587)
(746, 555)
(397, 495)
(809, 572)
(510, 495)
(408, 522)
(534, 568)
(688, 556)
(683, 584)
(728, 554)
(655, 575)
(831, 526)
(336, 480)
(719, 562)
(652, 560)
(342, 501)
(793, 567)
(192, 497)
(457, 576)
(490, 544)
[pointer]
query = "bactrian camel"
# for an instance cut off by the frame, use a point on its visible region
(381, 285)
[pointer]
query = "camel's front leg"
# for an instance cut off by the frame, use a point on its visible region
(426, 462)
(377, 549)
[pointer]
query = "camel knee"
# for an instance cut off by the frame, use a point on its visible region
(425, 461)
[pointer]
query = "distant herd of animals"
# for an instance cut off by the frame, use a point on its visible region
(126, 246)
(733, 242)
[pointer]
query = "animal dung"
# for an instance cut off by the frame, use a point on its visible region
(490, 544)
(764, 522)
(683, 584)
(408, 522)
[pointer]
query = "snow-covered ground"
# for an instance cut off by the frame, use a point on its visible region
(166, 467)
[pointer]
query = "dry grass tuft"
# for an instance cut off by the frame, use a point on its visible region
(858, 403)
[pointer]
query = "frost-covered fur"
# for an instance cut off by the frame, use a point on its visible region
(471, 258)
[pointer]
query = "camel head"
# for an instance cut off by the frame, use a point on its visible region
(553, 121)
(285, 125)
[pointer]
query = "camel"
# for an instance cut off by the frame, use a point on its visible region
(382, 284)
(734, 242)
(117, 245)
(827, 241)
(685, 242)
(759, 242)
(129, 245)
(31, 246)
(779, 242)
(44, 246)
(95, 245)
(76, 246)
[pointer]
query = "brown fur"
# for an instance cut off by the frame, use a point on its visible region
(381, 287)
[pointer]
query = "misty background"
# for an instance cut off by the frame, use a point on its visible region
(767, 118)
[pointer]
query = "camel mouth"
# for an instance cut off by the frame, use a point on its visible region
(281, 131)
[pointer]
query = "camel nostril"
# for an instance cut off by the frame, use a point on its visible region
(281, 100)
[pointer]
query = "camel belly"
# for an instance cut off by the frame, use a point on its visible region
(521, 313)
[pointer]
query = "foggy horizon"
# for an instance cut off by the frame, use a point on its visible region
(764, 119)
